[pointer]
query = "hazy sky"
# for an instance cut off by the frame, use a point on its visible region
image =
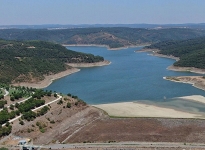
(28, 12)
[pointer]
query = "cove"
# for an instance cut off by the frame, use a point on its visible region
(130, 77)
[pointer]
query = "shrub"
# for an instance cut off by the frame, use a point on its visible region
(68, 105)
(21, 122)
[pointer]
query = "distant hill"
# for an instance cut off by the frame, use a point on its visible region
(114, 37)
(191, 52)
(143, 25)
(27, 60)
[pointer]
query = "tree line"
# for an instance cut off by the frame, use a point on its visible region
(191, 52)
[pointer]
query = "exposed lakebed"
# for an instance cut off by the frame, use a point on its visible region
(131, 76)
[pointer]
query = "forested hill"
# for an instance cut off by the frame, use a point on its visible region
(191, 52)
(114, 37)
(31, 60)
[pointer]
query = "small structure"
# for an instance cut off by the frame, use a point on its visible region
(22, 142)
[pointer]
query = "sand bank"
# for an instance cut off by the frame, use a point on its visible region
(189, 69)
(96, 64)
(135, 109)
(196, 98)
(154, 52)
(48, 79)
(120, 48)
(196, 81)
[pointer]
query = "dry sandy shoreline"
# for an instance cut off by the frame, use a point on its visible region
(135, 109)
(154, 52)
(96, 64)
(120, 48)
(49, 79)
(196, 81)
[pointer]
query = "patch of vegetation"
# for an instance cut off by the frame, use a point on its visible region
(30, 104)
(2, 103)
(21, 122)
(41, 126)
(52, 121)
(43, 111)
(68, 105)
(3, 148)
(60, 102)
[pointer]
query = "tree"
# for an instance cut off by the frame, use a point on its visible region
(55, 95)
(60, 102)
(69, 94)
(30, 115)
(21, 122)
(12, 98)
(11, 107)
(1, 96)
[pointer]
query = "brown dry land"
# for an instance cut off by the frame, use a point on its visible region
(133, 148)
(81, 123)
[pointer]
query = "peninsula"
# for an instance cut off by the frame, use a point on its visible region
(189, 56)
(38, 63)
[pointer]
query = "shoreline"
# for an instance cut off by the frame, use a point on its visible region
(196, 81)
(136, 109)
(186, 69)
(154, 52)
(50, 78)
(86, 65)
(120, 48)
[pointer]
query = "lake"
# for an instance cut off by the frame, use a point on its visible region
(131, 76)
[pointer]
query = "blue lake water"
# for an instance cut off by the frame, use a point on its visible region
(131, 76)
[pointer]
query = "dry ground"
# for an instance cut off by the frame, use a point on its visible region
(133, 148)
(142, 129)
(80, 124)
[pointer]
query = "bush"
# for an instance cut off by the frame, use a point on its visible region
(42, 130)
(52, 121)
(3, 148)
(69, 94)
(21, 122)
(1, 96)
(60, 102)
(55, 95)
(12, 98)
(68, 105)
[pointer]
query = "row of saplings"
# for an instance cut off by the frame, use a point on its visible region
(23, 108)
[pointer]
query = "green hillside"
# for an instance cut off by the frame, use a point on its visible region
(114, 37)
(191, 52)
(26, 60)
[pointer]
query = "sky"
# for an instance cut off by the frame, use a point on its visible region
(38, 12)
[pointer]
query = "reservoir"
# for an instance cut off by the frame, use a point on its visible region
(131, 76)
